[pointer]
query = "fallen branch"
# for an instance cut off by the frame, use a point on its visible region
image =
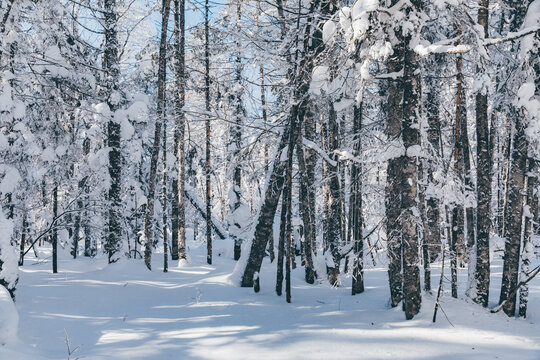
(198, 205)
(513, 293)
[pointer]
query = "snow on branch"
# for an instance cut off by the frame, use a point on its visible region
(310, 144)
(444, 48)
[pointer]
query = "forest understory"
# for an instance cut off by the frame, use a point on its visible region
(274, 179)
(195, 311)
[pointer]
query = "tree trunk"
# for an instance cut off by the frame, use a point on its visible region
(424, 230)
(516, 188)
(433, 236)
(402, 177)
(355, 206)
(207, 123)
(411, 140)
(24, 231)
(112, 70)
(162, 78)
(394, 114)
(514, 219)
(55, 232)
(333, 233)
(178, 219)
(458, 217)
(528, 247)
(483, 176)
(164, 198)
(235, 146)
(306, 211)
(275, 184)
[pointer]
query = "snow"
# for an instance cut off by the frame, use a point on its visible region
(123, 311)
(319, 80)
(531, 20)
(9, 181)
(9, 318)
(8, 254)
(313, 146)
(360, 16)
(329, 30)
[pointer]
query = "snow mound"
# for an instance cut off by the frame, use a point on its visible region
(9, 318)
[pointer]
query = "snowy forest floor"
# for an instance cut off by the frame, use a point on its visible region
(123, 311)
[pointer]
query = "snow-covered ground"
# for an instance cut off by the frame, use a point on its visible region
(123, 311)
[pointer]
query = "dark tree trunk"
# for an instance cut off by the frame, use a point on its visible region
(411, 139)
(394, 115)
(402, 177)
(164, 198)
(528, 247)
(433, 235)
(54, 236)
(112, 71)
(424, 230)
(24, 231)
(483, 176)
(178, 219)
(266, 214)
(306, 212)
(355, 206)
(162, 78)
(275, 184)
(285, 235)
(516, 188)
(207, 125)
(333, 234)
(514, 219)
(458, 215)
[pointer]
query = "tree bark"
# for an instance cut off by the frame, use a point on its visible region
(236, 142)
(528, 248)
(334, 216)
(164, 198)
(516, 188)
(483, 176)
(54, 236)
(178, 219)
(207, 127)
(112, 72)
(162, 78)
(402, 177)
(514, 220)
(313, 46)
(433, 236)
(355, 206)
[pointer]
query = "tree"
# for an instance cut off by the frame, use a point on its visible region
(178, 203)
(149, 216)
(114, 101)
